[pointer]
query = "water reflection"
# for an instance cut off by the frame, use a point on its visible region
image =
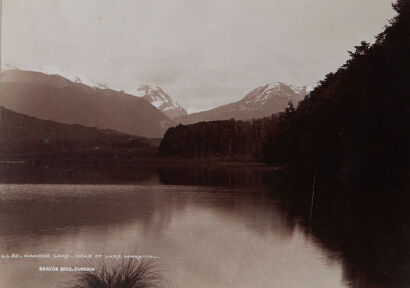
(206, 237)
(249, 228)
(366, 227)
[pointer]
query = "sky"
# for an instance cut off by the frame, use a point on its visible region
(203, 53)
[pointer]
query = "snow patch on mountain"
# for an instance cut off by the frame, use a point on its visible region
(161, 100)
(273, 97)
(271, 92)
(55, 70)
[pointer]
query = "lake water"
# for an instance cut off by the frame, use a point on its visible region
(202, 236)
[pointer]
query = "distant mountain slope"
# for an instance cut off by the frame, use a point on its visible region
(56, 98)
(158, 98)
(20, 133)
(261, 102)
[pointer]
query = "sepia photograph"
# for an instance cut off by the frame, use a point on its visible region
(205, 144)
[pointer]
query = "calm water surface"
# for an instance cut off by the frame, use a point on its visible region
(204, 236)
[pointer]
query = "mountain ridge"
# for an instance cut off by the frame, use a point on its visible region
(28, 137)
(56, 98)
(261, 102)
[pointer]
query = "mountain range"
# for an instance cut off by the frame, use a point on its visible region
(147, 111)
(261, 102)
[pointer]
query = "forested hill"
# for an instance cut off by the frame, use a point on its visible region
(221, 139)
(24, 135)
(355, 123)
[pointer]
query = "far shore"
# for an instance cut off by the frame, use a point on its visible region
(146, 160)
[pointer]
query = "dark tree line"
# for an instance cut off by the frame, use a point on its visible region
(221, 139)
(355, 123)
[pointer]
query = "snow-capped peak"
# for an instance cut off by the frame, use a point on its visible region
(265, 92)
(55, 70)
(161, 100)
(275, 91)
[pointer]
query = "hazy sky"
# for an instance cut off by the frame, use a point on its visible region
(204, 53)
